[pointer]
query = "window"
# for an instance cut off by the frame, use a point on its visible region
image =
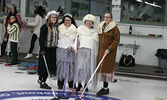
(148, 11)
(80, 8)
(57, 5)
(99, 7)
(96, 7)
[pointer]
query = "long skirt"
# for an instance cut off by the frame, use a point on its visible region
(61, 64)
(83, 65)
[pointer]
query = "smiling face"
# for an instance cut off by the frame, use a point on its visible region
(107, 18)
(53, 18)
(12, 9)
(67, 21)
(88, 24)
(12, 19)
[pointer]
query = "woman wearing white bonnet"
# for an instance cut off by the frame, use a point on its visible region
(48, 43)
(67, 34)
(87, 52)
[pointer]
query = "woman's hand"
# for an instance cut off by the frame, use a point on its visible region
(69, 48)
(76, 52)
(106, 52)
(26, 22)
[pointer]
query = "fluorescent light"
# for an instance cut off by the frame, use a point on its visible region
(152, 4)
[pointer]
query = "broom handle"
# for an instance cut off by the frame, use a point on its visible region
(92, 75)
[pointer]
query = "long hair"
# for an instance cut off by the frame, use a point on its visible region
(41, 11)
(49, 22)
(72, 20)
(15, 11)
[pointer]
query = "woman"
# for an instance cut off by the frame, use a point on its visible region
(67, 33)
(39, 21)
(48, 42)
(109, 37)
(13, 12)
(87, 52)
(13, 30)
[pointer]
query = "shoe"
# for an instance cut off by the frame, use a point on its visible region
(70, 84)
(115, 80)
(103, 92)
(86, 90)
(60, 84)
(45, 86)
(28, 56)
(60, 87)
(79, 87)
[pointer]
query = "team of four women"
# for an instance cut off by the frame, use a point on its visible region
(81, 47)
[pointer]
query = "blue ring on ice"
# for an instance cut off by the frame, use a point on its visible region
(47, 95)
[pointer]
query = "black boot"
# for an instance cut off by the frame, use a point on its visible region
(86, 90)
(70, 84)
(103, 91)
(79, 87)
(60, 84)
(44, 86)
(60, 87)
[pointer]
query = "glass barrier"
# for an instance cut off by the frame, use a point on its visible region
(149, 11)
(57, 5)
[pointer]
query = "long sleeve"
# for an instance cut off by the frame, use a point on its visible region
(11, 29)
(43, 36)
(116, 40)
(37, 19)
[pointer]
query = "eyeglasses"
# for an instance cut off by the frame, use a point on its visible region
(107, 17)
(67, 20)
(88, 21)
(53, 17)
